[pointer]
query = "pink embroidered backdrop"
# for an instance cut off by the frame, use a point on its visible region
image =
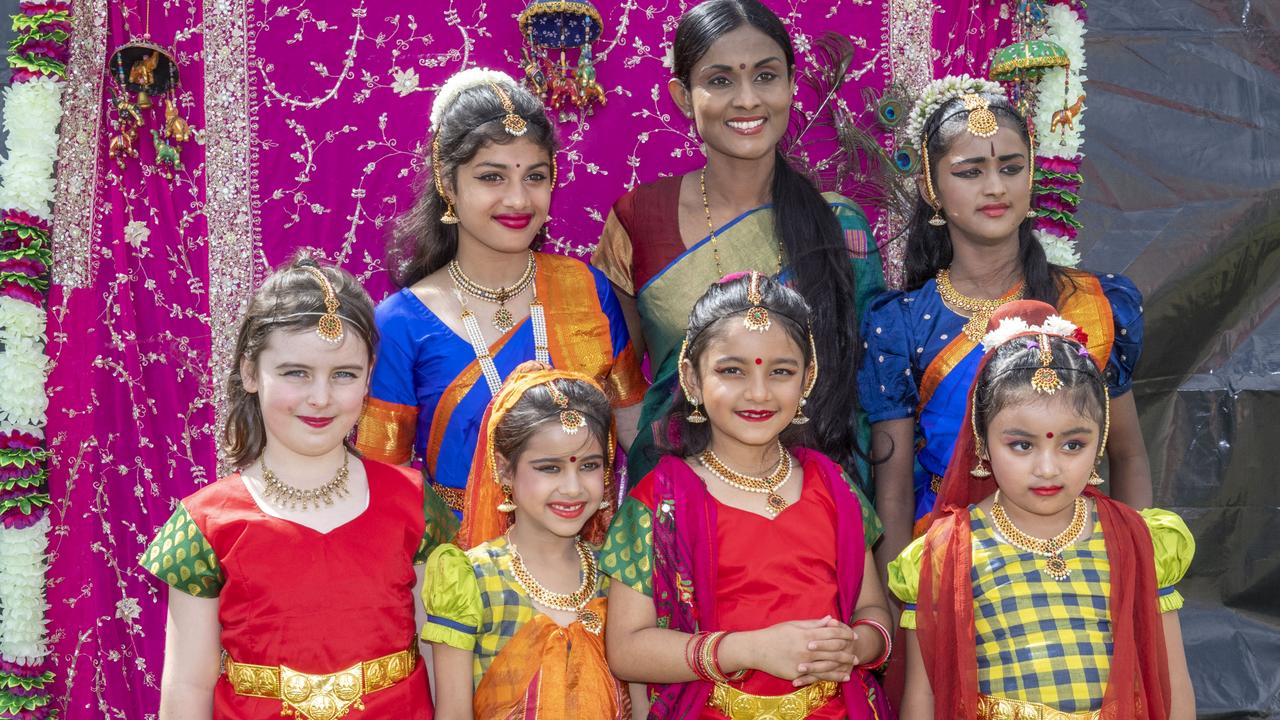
(311, 117)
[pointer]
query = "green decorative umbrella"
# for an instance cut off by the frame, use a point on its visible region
(1027, 60)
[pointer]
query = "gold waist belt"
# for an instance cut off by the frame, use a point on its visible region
(998, 708)
(738, 705)
(321, 697)
(455, 498)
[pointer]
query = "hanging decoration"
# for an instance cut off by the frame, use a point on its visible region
(143, 72)
(560, 25)
(1046, 70)
(32, 111)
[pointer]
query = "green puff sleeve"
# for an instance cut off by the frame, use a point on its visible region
(182, 557)
(1174, 548)
(451, 596)
(627, 554)
(442, 525)
(904, 580)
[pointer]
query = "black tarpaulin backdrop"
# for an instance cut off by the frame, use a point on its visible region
(1182, 194)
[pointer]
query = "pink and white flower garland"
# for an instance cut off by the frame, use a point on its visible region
(32, 111)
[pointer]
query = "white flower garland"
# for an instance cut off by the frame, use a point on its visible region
(1060, 88)
(1011, 327)
(32, 111)
(462, 81)
(938, 93)
(22, 568)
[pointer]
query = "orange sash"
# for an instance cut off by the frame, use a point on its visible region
(550, 672)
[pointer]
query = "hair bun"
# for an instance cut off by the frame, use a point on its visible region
(1032, 312)
(529, 366)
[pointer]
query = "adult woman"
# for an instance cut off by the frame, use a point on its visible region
(665, 242)
(970, 248)
(476, 301)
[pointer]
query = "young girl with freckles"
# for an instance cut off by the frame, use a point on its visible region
(476, 298)
(742, 585)
(516, 622)
(970, 248)
(1033, 595)
(295, 576)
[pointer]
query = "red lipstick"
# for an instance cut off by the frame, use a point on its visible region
(316, 422)
(994, 210)
(568, 511)
(1047, 491)
(755, 415)
(515, 222)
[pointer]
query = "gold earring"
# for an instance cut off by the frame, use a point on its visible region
(605, 504)
(507, 505)
(1031, 174)
(980, 470)
(930, 196)
(696, 417)
(800, 418)
(449, 217)
(1094, 478)
(937, 220)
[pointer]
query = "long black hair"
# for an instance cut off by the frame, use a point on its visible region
(811, 236)
(420, 243)
(723, 304)
(929, 248)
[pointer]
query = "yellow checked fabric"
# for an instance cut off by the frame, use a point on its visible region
(182, 557)
(473, 601)
(1041, 640)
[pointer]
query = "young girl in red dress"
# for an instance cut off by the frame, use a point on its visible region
(742, 586)
(296, 575)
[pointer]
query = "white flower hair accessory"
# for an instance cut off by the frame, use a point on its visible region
(940, 92)
(461, 82)
(1011, 327)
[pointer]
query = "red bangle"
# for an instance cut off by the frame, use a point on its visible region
(888, 643)
(693, 654)
(716, 670)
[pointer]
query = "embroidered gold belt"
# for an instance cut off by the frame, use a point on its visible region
(321, 697)
(998, 708)
(455, 498)
(738, 705)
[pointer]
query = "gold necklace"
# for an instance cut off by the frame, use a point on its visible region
(576, 601)
(774, 503)
(503, 320)
(1048, 548)
(293, 496)
(711, 229)
(980, 310)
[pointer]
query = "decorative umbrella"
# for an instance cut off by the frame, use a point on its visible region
(549, 25)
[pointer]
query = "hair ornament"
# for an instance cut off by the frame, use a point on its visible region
(329, 328)
(459, 83)
(757, 317)
(1046, 380)
(512, 122)
(571, 421)
(939, 93)
(1011, 327)
(982, 122)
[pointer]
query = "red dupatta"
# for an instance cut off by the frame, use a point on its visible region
(1138, 687)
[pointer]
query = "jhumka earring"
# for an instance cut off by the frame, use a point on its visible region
(508, 504)
(980, 469)
(801, 418)
(931, 197)
(1094, 478)
(1031, 173)
(696, 417)
(449, 217)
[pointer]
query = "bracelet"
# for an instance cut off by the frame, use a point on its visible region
(888, 644)
(712, 657)
(692, 653)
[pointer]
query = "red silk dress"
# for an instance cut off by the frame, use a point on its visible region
(762, 562)
(315, 602)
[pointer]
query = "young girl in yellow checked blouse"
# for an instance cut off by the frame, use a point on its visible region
(1032, 595)
(516, 622)
(293, 578)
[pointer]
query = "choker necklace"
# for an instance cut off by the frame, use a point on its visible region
(1051, 548)
(502, 319)
(575, 602)
(711, 229)
(979, 310)
(537, 318)
(292, 496)
(769, 485)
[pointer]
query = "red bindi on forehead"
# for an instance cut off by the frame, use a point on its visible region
(1049, 435)
(759, 361)
(573, 458)
(742, 66)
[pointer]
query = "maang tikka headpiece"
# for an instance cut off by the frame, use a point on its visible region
(571, 421)
(511, 122)
(757, 317)
(330, 326)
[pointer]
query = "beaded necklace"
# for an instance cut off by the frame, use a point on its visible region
(537, 317)
(503, 320)
(1048, 548)
(769, 485)
(575, 602)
